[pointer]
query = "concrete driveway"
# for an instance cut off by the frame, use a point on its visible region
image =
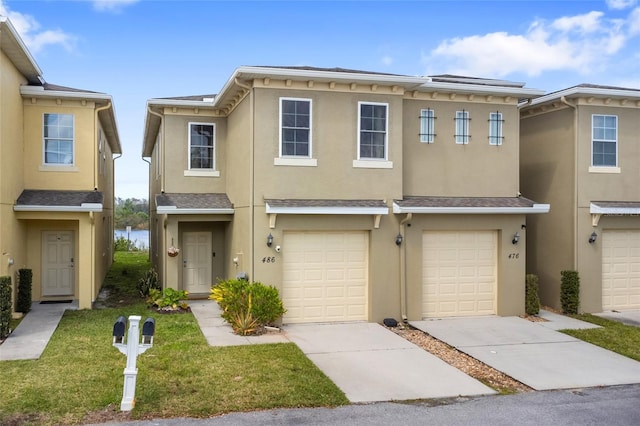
(370, 363)
(625, 317)
(533, 352)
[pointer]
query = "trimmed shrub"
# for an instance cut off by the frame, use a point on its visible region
(23, 302)
(5, 306)
(247, 306)
(147, 282)
(570, 292)
(532, 300)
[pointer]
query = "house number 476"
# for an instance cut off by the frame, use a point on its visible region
(514, 255)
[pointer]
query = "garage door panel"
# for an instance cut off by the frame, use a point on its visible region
(334, 276)
(459, 273)
(620, 269)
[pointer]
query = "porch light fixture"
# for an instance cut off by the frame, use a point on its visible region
(593, 237)
(516, 238)
(269, 240)
(399, 239)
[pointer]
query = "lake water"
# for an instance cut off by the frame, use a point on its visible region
(140, 237)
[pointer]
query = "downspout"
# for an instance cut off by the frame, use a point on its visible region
(575, 180)
(96, 158)
(403, 269)
(149, 208)
(162, 148)
(252, 186)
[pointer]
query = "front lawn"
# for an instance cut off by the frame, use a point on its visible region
(79, 378)
(614, 336)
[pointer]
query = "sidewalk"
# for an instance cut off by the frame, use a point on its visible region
(32, 335)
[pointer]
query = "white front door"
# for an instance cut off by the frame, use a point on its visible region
(196, 262)
(57, 263)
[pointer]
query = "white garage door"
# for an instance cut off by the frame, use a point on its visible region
(620, 270)
(459, 273)
(325, 276)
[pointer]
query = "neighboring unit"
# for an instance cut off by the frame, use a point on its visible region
(359, 195)
(56, 179)
(581, 153)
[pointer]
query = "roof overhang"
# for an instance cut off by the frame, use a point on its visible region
(13, 46)
(326, 210)
(468, 205)
(582, 91)
(612, 208)
(375, 208)
(536, 208)
(177, 210)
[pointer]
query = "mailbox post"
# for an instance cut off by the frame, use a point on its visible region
(131, 349)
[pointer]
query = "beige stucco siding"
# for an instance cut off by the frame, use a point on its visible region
(444, 168)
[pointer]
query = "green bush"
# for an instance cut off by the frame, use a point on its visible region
(532, 300)
(168, 298)
(570, 292)
(147, 282)
(122, 244)
(247, 306)
(23, 302)
(5, 306)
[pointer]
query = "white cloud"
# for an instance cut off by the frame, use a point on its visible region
(581, 43)
(620, 4)
(112, 5)
(387, 60)
(29, 30)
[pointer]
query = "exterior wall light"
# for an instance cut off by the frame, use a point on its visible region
(516, 238)
(593, 237)
(269, 240)
(399, 239)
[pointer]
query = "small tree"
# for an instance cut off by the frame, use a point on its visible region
(570, 292)
(23, 302)
(5, 306)
(532, 300)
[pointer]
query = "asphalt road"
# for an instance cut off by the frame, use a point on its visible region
(616, 405)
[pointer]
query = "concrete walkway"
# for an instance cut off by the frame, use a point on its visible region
(533, 352)
(625, 317)
(365, 360)
(31, 336)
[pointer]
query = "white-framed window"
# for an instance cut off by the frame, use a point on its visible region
(604, 145)
(462, 127)
(201, 146)
(427, 125)
(58, 136)
(495, 128)
(372, 131)
(295, 128)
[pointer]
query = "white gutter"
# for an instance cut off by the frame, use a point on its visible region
(82, 208)
(326, 210)
(596, 209)
(176, 210)
(477, 88)
(40, 92)
(586, 91)
(536, 208)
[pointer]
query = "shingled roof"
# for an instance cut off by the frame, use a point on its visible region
(53, 200)
(468, 205)
(193, 203)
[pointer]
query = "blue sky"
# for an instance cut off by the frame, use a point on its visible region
(135, 50)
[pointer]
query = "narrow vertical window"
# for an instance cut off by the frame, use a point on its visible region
(58, 139)
(604, 134)
(427, 125)
(201, 146)
(495, 128)
(372, 131)
(462, 127)
(295, 128)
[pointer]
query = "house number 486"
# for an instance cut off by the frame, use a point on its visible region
(269, 259)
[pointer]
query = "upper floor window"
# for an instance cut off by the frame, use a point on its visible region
(604, 136)
(462, 127)
(372, 131)
(495, 128)
(427, 125)
(58, 139)
(295, 127)
(201, 146)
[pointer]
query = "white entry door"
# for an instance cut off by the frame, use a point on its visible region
(57, 263)
(196, 262)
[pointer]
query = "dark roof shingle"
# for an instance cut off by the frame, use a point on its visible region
(414, 201)
(194, 201)
(39, 197)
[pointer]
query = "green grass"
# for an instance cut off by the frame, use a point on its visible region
(614, 336)
(79, 378)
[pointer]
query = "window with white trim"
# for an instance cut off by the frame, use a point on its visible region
(427, 125)
(495, 128)
(295, 127)
(58, 135)
(372, 131)
(201, 146)
(604, 146)
(462, 127)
